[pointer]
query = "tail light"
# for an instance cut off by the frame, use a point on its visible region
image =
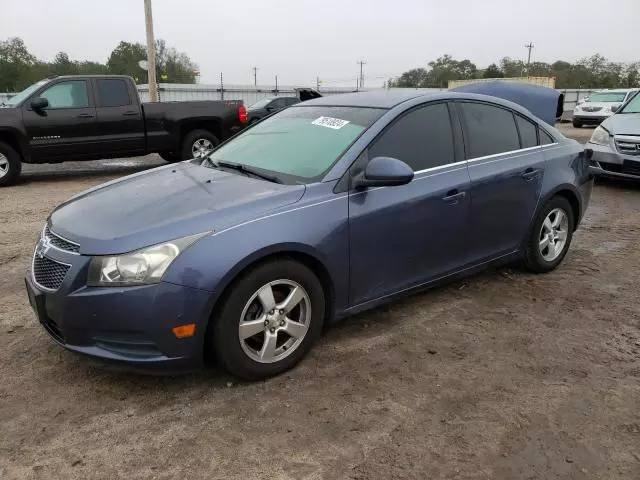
(242, 114)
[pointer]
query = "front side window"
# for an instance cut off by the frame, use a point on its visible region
(299, 144)
(422, 138)
(72, 94)
(528, 135)
(113, 93)
(489, 130)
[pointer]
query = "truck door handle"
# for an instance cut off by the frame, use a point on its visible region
(85, 115)
(453, 197)
(529, 174)
(129, 113)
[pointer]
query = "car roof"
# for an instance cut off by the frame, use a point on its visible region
(372, 99)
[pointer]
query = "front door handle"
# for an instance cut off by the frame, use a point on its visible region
(530, 174)
(85, 115)
(453, 197)
(129, 113)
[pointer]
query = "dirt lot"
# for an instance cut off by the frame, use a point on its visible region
(505, 375)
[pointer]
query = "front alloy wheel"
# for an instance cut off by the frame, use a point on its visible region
(268, 320)
(274, 321)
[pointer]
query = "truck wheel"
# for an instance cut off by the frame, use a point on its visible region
(170, 157)
(10, 165)
(198, 143)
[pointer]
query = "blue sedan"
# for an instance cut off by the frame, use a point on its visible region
(323, 210)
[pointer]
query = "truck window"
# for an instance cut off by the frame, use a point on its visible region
(71, 94)
(113, 92)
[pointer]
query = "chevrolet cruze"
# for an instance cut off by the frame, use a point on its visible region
(328, 208)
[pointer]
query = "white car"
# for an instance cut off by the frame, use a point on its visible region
(601, 105)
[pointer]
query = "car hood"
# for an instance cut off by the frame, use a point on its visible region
(623, 124)
(162, 204)
(599, 104)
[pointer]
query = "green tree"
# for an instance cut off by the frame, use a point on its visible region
(446, 68)
(62, 65)
(16, 64)
(492, 71)
(124, 60)
(413, 78)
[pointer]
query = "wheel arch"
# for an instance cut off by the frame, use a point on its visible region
(298, 252)
(570, 193)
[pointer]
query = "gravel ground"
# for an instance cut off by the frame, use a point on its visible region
(505, 375)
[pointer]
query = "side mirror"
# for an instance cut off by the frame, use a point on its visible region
(39, 103)
(384, 172)
(615, 108)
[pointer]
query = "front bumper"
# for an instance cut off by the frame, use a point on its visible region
(590, 119)
(129, 326)
(608, 162)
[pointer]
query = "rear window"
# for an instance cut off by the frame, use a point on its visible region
(113, 93)
(489, 130)
(299, 144)
(528, 136)
(545, 138)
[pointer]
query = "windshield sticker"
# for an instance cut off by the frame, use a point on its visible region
(330, 122)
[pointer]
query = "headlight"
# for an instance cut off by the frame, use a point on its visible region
(600, 136)
(576, 108)
(141, 267)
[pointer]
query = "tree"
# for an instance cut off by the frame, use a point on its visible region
(411, 79)
(62, 65)
(446, 68)
(124, 60)
(492, 71)
(16, 63)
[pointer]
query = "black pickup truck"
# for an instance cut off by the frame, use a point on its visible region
(101, 116)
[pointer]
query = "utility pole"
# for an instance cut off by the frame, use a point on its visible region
(529, 46)
(221, 87)
(318, 83)
(276, 84)
(151, 52)
(361, 62)
(255, 76)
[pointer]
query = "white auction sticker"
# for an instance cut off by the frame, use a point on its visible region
(330, 122)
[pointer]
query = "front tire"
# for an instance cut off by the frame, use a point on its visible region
(10, 165)
(269, 320)
(577, 124)
(550, 236)
(198, 143)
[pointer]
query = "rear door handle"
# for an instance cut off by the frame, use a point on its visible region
(85, 115)
(130, 113)
(529, 174)
(453, 197)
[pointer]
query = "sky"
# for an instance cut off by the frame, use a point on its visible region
(300, 40)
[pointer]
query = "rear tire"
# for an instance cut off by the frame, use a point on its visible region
(10, 165)
(241, 356)
(550, 236)
(577, 124)
(198, 141)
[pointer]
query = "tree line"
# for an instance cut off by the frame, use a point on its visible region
(20, 68)
(592, 72)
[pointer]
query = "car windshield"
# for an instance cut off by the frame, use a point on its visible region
(20, 97)
(607, 97)
(632, 106)
(299, 144)
(260, 103)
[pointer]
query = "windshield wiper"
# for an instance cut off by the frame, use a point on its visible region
(242, 168)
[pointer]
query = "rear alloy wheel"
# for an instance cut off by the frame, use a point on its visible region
(551, 236)
(269, 321)
(198, 144)
(10, 165)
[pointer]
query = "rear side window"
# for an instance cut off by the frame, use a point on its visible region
(421, 138)
(545, 138)
(528, 136)
(113, 93)
(488, 130)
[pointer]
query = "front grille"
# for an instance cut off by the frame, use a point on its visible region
(611, 167)
(60, 242)
(48, 273)
(591, 109)
(628, 147)
(631, 167)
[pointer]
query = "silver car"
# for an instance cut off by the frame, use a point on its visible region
(616, 143)
(601, 105)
